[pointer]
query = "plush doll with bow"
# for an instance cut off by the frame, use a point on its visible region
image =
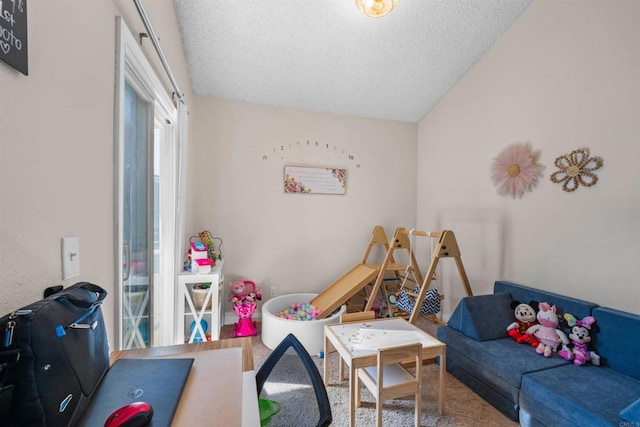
(580, 336)
(525, 315)
(547, 332)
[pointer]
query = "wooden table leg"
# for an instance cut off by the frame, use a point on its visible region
(443, 370)
(325, 362)
(352, 395)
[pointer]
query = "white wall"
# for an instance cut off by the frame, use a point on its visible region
(564, 76)
(296, 242)
(56, 143)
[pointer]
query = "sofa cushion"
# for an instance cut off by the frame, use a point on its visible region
(632, 413)
(616, 342)
(578, 308)
(502, 396)
(577, 395)
(500, 362)
(483, 317)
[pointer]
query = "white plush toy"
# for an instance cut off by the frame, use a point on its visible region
(546, 331)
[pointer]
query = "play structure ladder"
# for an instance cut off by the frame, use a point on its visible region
(447, 247)
(350, 283)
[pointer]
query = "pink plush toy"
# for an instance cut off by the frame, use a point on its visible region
(245, 297)
(244, 290)
(580, 337)
(547, 331)
(237, 291)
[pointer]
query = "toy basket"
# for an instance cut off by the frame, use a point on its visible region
(198, 296)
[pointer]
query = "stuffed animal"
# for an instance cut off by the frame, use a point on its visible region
(525, 315)
(244, 290)
(237, 291)
(547, 332)
(580, 336)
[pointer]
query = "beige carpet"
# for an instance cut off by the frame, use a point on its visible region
(288, 384)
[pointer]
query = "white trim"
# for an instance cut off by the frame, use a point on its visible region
(181, 188)
(132, 66)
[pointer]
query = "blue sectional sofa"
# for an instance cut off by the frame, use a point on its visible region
(538, 390)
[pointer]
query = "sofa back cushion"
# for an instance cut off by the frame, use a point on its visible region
(483, 317)
(616, 340)
(578, 308)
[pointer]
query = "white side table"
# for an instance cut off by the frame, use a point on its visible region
(187, 312)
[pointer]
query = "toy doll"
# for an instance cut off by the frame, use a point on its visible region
(580, 336)
(525, 315)
(547, 332)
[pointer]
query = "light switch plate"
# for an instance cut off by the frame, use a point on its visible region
(70, 257)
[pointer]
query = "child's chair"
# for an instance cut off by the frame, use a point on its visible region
(390, 380)
(358, 316)
(290, 341)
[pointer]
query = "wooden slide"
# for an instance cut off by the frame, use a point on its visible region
(340, 291)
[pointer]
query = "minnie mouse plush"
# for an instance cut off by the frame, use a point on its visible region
(580, 337)
(525, 315)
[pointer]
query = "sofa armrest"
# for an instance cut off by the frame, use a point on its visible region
(483, 317)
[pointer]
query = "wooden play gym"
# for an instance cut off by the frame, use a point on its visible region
(370, 282)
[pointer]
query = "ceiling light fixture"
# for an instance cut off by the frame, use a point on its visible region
(376, 8)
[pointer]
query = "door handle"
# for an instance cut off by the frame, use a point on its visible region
(126, 261)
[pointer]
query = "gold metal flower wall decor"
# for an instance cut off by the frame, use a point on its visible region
(516, 170)
(576, 169)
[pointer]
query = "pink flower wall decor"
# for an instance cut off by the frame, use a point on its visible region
(516, 170)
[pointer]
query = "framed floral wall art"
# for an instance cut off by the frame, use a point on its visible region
(314, 180)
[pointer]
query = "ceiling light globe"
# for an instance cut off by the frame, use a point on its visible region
(376, 8)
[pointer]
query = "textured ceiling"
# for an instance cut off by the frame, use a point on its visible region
(327, 56)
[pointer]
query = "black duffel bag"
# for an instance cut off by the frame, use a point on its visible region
(53, 354)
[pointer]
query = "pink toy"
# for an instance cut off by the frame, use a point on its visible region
(246, 326)
(547, 332)
(580, 337)
(244, 290)
(245, 299)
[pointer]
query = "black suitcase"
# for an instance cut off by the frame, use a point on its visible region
(53, 354)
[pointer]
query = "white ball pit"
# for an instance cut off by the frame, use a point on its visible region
(309, 332)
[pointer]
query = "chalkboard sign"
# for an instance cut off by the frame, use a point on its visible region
(13, 34)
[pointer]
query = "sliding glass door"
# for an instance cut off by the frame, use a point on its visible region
(138, 214)
(146, 182)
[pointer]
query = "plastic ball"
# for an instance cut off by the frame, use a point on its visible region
(299, 311)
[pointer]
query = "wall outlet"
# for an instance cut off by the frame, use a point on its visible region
(274, 291)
